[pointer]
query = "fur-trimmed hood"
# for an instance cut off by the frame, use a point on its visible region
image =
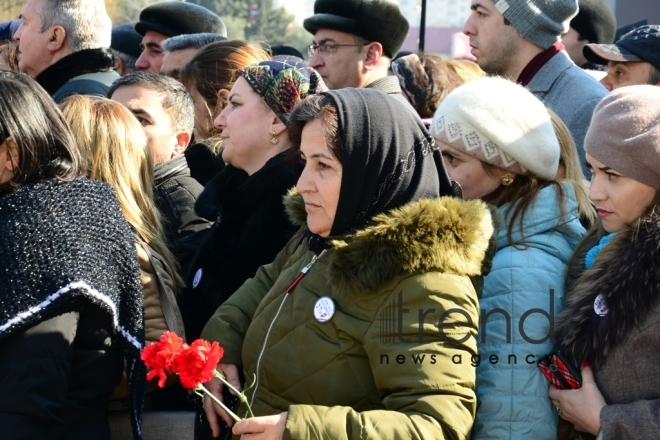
(445, 234)
(627, 275)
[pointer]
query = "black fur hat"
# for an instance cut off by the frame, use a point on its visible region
(373, 20)
(174, 18)
(595, 21)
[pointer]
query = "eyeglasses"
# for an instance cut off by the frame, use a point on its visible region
(329, 48)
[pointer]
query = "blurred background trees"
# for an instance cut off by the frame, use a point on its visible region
(9, 9)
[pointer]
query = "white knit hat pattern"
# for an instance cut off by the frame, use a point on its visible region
(472, 140)
(501, 123)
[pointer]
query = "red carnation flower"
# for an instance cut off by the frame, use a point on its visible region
(196, 364)
(159, 356)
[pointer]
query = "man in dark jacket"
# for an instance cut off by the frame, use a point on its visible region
(64, 45)
(354, 43)
(165, 109)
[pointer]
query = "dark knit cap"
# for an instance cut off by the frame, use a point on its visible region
(373, 20)
(641, 44)
(174, 18)
(595, 21)
(126, 40)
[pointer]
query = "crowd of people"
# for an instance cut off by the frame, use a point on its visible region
(384, 244)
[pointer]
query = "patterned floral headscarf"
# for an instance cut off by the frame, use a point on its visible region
(282, 84)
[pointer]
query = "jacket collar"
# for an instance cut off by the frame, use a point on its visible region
(445, 234)
(175, 167)
(76, 64)
(546, 77)
(543, 216)
(627, 275)
(389, 85)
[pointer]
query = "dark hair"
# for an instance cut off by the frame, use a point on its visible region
(177, 101)
(519, 195)
(46, 147)
(443, 78)
(654, 76)
(316, 107)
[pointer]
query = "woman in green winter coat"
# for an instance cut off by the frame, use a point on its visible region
(364, 325)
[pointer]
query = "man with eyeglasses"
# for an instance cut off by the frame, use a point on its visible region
(354, 43)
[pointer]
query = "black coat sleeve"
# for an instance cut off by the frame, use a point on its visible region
(35, 368)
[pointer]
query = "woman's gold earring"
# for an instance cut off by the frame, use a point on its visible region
(274, 140)
(507, 179)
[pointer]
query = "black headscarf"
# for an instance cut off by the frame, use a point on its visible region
(389, 159)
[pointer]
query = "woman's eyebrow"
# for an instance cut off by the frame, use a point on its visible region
(316, 155)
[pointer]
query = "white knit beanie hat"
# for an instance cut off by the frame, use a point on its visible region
(501, 123)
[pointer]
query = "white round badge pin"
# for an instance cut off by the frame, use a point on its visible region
(324, 309)
(600, 306)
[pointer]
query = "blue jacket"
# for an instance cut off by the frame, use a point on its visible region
(512, 394)
(570, 92)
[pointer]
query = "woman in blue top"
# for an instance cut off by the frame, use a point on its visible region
(499, 144)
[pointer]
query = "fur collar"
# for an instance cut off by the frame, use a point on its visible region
(627, 274)
(445, 235)
(76, 64)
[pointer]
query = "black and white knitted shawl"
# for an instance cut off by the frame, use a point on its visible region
(69, 242)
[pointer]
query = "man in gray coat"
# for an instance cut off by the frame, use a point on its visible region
(520, 40)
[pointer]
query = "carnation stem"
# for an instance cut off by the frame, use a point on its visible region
(241, 395)
(222, 405)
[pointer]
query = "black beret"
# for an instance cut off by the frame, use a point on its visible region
(595, 21)
(174, 18)
(373, 20)
(126, 40)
